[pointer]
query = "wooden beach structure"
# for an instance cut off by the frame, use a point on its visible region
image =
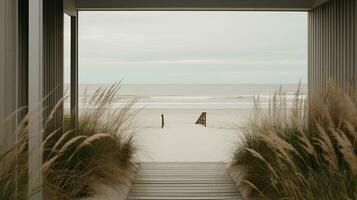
(202, 119)
(31, 51)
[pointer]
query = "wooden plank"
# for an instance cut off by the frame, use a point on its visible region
(184, 181)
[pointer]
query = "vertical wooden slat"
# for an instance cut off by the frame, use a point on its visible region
(338, 43)
(22, 73)
(352, 41)
(8, 75)
(74, 72)
(321, 58)
(344, 43)
(36, 77)
(354, 38)
(308, 50)
(347, 41)
(2, 59)
(327, 44)
(8, 57)
(325, 47)
(335, 42)
(313, 52)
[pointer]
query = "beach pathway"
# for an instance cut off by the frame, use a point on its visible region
(183, 181)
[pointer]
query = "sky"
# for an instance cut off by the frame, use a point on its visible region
(187, 47)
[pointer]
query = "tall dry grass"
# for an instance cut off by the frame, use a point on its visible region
(98, 152)
(286, 156)
(13, 158)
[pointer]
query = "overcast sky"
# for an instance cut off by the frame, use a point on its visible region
(191, 47)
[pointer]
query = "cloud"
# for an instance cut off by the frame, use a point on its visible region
(192, 46)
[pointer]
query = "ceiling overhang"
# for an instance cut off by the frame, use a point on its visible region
(254, 5)
(71, 6)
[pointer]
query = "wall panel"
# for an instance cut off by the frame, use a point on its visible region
(23, 43)
(13, 56)
(333, 47)
(8, 57)
(53, 60)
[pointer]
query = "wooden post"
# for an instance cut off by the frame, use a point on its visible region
(35, 99)
(162, 121)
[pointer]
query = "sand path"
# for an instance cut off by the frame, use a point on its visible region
(186, 143)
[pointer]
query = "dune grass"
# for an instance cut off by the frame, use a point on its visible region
(13, 158)
(285, 156)
(98, 152)
(101, 148)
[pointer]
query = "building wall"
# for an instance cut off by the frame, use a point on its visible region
(332, 46)
(53, 60)
(14, 56)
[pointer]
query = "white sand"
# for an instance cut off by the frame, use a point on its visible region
(183, 141)
(227, 107)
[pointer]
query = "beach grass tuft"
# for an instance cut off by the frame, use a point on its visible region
(99, 151)
(297, 152)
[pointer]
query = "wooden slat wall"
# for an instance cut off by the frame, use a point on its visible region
(8, 57)
(13, 56)
(2, 59)
(23, 43)
(8, 74)
(53, 59)
(332, 46)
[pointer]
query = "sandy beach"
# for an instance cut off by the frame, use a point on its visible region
(183, 141)
(228, 108)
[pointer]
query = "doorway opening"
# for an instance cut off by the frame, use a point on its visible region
(181, 64)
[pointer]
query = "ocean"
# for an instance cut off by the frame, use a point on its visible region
(189, 96)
